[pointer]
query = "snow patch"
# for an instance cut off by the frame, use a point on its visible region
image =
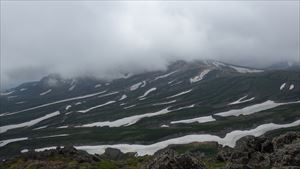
(199, 120)
(229, 140)
(24, 151)
(5, 142)
(177, 83)
(291, 87)
(171, 81)
(282, 86)
(200, 76)
(56, 102)
(147, 92)
(245, 70)
(39, 128)
(46, 92)
(253, 108)
(62, 127)
(165, 75)
(179, 94)
(128, 107)
(22, 102)
(185, 107)
(163, 103)
(218, 64)
(164, 126)
(68, 107)
(95, 107)
(7, 93)
(23, 89)
(46, 148)
(127, 121)
(78, 103)
(72, 88)
(97, 85)
(58, 135)
(123, 97)
(29, 123)
(108, 94)
(241, 100)
(137, 85)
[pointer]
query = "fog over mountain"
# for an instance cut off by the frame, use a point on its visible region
(102, 39)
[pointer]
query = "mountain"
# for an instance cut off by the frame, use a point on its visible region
(189, 102)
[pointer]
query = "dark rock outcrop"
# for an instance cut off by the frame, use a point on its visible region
(116, 154)
(255, 152)
(169, 159)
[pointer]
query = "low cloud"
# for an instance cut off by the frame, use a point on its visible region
(102, 39)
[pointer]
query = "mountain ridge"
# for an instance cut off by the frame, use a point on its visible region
(200, 98)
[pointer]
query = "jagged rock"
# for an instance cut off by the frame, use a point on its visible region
(250, 144)
(267, 147)
(284, 139)
(116, 154)
(288, 155)
(254, 152)
(235, 166)
(289, 167)
(168, 159)
(259, 160)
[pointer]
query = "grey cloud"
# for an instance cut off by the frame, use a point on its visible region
(104, 38)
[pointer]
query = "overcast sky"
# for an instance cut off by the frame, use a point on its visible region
(104, 38)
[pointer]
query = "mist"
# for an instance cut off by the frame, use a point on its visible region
(104, 39)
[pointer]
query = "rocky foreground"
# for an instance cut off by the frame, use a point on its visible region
(282, 152)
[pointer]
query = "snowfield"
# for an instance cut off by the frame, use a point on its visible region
(7, 93)
(29, 123)
(95, 107)
(128, 107)
(241, 100)
(108, 94)
(179, 94)
(127, 121)
(72, 88)
(24, 151)
(39, 128)
(5, 142)
(148, 92)
(56, 102)
(97, 85)
(137, 85)
(46, 92)
(163, 103)
(165, 75)
(203, 119)
(282, 86)
(23, 89)
(123, 97)
(291, 87)
(253, 108)
(245, 70)
(58, 135)
(218, 64)
(200, 76)
(229, 140)
(21, 102)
